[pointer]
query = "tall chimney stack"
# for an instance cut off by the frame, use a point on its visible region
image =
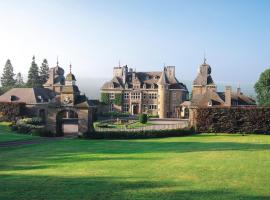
(228, 96)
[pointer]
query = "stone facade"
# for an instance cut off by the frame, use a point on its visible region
(153, 93)
(58, 103)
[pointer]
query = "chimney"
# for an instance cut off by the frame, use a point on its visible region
(239, 91)
(228, 96)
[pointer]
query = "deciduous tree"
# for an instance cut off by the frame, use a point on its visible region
(262, 88)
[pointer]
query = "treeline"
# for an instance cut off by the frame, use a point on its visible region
(37, 76)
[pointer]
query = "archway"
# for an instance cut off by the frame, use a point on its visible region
(67, 123)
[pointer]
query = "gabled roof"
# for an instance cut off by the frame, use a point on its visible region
(28, 95)
(204, 99)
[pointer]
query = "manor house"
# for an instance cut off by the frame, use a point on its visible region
(154, 93)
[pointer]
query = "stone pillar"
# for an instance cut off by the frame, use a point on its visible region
(51, 120)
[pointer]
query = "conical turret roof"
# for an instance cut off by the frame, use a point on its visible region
(163, 79)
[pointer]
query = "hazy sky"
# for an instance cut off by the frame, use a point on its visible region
(95, 35)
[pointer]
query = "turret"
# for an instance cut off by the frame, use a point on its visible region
(162, 92)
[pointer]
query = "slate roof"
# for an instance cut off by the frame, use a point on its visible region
(28, 95)
(149, 79)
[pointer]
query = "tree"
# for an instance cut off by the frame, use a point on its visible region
(44, 72)
(33, 75)
(19, 80)
(262, 88)
(7, 79)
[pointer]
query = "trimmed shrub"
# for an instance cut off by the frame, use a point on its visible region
(139, 134)
(143, 118)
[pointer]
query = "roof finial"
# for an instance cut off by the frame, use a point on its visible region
(57, 61)
(204, 58)
(119, 63)
(70, 66)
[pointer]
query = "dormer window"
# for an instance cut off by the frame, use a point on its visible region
(12, 98)
(40, 99)
(126, 86)
(144, 86)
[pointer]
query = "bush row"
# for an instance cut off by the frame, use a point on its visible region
(31, 126)
(139, 134)
(11, 111)
(234, 120)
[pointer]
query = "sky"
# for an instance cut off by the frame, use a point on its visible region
(144, 34)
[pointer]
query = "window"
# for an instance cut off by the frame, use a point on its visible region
(153, 86)
(126, 108)
(144, 95)
(136, 86)
(144, 86)
(153, 96)
(126, 86)
(111, 108)
(152, 107)
(174, 96)
(136, 95)
(111, 96)
(145, 108)
(126, 95)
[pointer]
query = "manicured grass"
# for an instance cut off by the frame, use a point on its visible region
(193, 167)
(7, 135)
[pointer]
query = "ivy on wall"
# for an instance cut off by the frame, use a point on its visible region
(118, 99)
(105, 98)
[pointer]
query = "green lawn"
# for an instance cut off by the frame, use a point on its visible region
(194, 167)
(7, 135)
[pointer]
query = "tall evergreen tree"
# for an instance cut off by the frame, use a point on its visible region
(44, 72)
(7, 79)
(19, 80)
(33, 75)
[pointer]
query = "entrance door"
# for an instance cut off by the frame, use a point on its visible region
(135, 109)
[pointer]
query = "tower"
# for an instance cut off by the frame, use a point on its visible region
(56, 79)
(162, 92)
(203, 81)
(70, 91)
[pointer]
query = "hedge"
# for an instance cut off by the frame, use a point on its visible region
(11, 111)
(233, 120)
(139, 134)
